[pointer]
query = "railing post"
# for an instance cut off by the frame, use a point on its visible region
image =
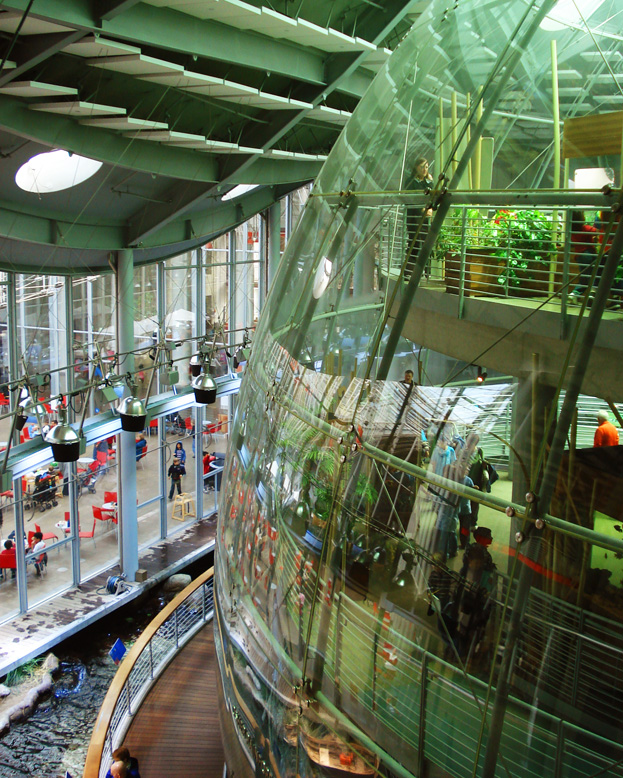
(422, 730)
(462, 262)
(560, 749)
(564, 295)
(508, 255)
(576, 669)
(128, 691)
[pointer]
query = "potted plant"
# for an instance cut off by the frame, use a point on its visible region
(481, 263)
(524, 245)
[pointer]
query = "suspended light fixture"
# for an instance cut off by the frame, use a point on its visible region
(64, 440)
(32, 408)
(481, 377)
(20, 421)
(196, 364)
(132, 413)
(204, 388)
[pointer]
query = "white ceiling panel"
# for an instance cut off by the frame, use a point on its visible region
(78, 108)
(331, 115)
(269, 102)
(279, 154)
(182, 80)
(124, 123)
(10, 20)
(223, 89)
(36, 89)
(171, 137)
(92, 46)
(135, 64)
(274, 24)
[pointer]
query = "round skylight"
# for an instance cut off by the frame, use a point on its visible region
(53, 171)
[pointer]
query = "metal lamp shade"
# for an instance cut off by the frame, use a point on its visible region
(195, 364)
(65, 443)
(20, 421)
(132, 414)
(204, 388)
(31, 408)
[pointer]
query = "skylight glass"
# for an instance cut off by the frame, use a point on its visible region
(54, 171)
(570, 13)
(239, 190)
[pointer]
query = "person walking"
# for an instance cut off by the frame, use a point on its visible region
(179, 452)
(175, 473)
(606, 433)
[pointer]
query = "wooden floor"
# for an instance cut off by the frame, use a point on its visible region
(176, 731)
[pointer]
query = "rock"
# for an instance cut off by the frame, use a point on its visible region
(4, 690)
(45, 685)
(4, 724)
(177, 582)
(51, 663)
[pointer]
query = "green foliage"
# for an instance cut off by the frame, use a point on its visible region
(478, 231)
(523, 241)
(23, 672)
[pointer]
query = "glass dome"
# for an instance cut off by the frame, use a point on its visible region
(424, 577)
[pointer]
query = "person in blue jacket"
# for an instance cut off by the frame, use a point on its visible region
(179, 453)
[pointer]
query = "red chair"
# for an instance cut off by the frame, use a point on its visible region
(153, 425)
(46, 535)
(99, 514)
(110, 496)
(86, 534)
(8, 561)
(4, 403)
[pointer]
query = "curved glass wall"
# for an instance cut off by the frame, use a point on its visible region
(389, 600)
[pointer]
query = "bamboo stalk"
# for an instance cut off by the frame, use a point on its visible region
(556, 182)
(441, 136)
(470, 177)
(454, 132)
(478, 149)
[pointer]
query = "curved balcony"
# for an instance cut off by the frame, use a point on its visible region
(161, 703)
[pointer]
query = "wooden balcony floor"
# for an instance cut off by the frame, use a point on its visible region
(176, 730)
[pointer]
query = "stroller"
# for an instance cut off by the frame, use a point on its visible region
(44, 493)
(88, 477)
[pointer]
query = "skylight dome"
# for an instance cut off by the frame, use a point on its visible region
(54, 171)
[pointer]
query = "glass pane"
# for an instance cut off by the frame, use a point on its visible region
(433, 547)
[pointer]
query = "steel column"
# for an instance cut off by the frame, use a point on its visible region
(126, 447)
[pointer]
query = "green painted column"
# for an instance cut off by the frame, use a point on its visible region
(274, 241)
(126, 447)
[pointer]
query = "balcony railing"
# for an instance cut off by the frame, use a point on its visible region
(502, 252)
(161, 641)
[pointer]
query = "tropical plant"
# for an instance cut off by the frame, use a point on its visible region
(478, 231)
(523, 242)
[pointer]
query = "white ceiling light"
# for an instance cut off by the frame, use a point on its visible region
(570, 13)
(322, 277)
(53, 171)
(239, 190)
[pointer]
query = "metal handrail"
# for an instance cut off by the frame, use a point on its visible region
(145, 661)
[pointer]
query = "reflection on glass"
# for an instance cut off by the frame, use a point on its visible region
(423, 577)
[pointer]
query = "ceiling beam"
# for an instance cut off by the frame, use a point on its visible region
(56, 130)
(32, 50)
(164, 28)
(108, 9)
(38, 241)
(374, 27)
